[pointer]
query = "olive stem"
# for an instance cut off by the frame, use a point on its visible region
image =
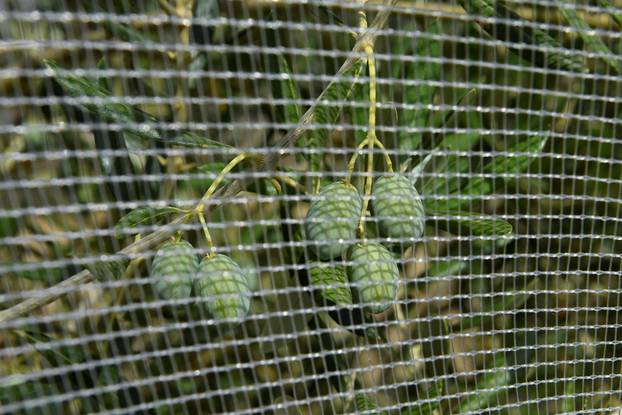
(293, 183)
(237, 160)
(352, 162)
(371, 133)
(84, 277)
(277, 185)
(208, 237)
(364, 143)
(387, 158)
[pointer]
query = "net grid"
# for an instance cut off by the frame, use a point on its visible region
(490, 283)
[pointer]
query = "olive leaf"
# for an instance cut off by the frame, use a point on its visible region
(191, 139)
(613, 12)
(422, 93)
(331, 284)
(48, 275)
(109, 111)
(448, 176)
(126, 32)
(364, 403)
(21, 386)
(509, 370)
(292, 113)
(289, 91)
(441, 269)
(144, 216)
(430, 407)
(512, 164)
(108, 269)
(512, 301)
(330, 103)
(489, 387)
(591, 40)
(451, 174)
(473, 224)
(545, 50)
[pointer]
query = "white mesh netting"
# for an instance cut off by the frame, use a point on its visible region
(310, 207)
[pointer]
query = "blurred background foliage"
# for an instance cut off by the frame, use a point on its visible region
(109, 106)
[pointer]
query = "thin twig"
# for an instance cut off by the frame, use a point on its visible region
(148, 242)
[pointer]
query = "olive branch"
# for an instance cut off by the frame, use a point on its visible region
(216, 197)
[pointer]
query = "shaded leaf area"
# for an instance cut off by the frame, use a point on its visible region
(432, 406)
(493, 307)
(363, 403)
(331, 283)
(592, 42)
(424, 69)
(453, 174)
(46, 388)
(330, 103)
(124, 114)
(614, 12)
(543, 49)
(144, 216)
(108, 269)
(289, 91)
(442, 269)
(494, 383)
(109, 111)
(191, 139)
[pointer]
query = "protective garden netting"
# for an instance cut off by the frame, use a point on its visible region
(310, 207)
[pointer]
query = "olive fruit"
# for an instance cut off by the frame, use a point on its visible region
(398, 207)
(374, 275)
(172, 269)
(332, 219)
(225, 287)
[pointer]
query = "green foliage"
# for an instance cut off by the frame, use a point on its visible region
(544, 49)
(363, 403)
(461, 168)
(613, 12)
(591, 41)
(120, 113)
(526, 151)
(20, 388)
(331, 283)
(48, 275)
(432, 406)
(289, 91)
(448, 178)
(191, 139)
(488, 388)
(425, 70)
(144, 216)
(441, 269)
(108, 269)
(329, 104)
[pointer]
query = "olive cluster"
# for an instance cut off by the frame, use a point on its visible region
(331, 224)
(177, 274)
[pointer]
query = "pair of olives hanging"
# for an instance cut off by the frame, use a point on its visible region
(332, 222)
(177, 274)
